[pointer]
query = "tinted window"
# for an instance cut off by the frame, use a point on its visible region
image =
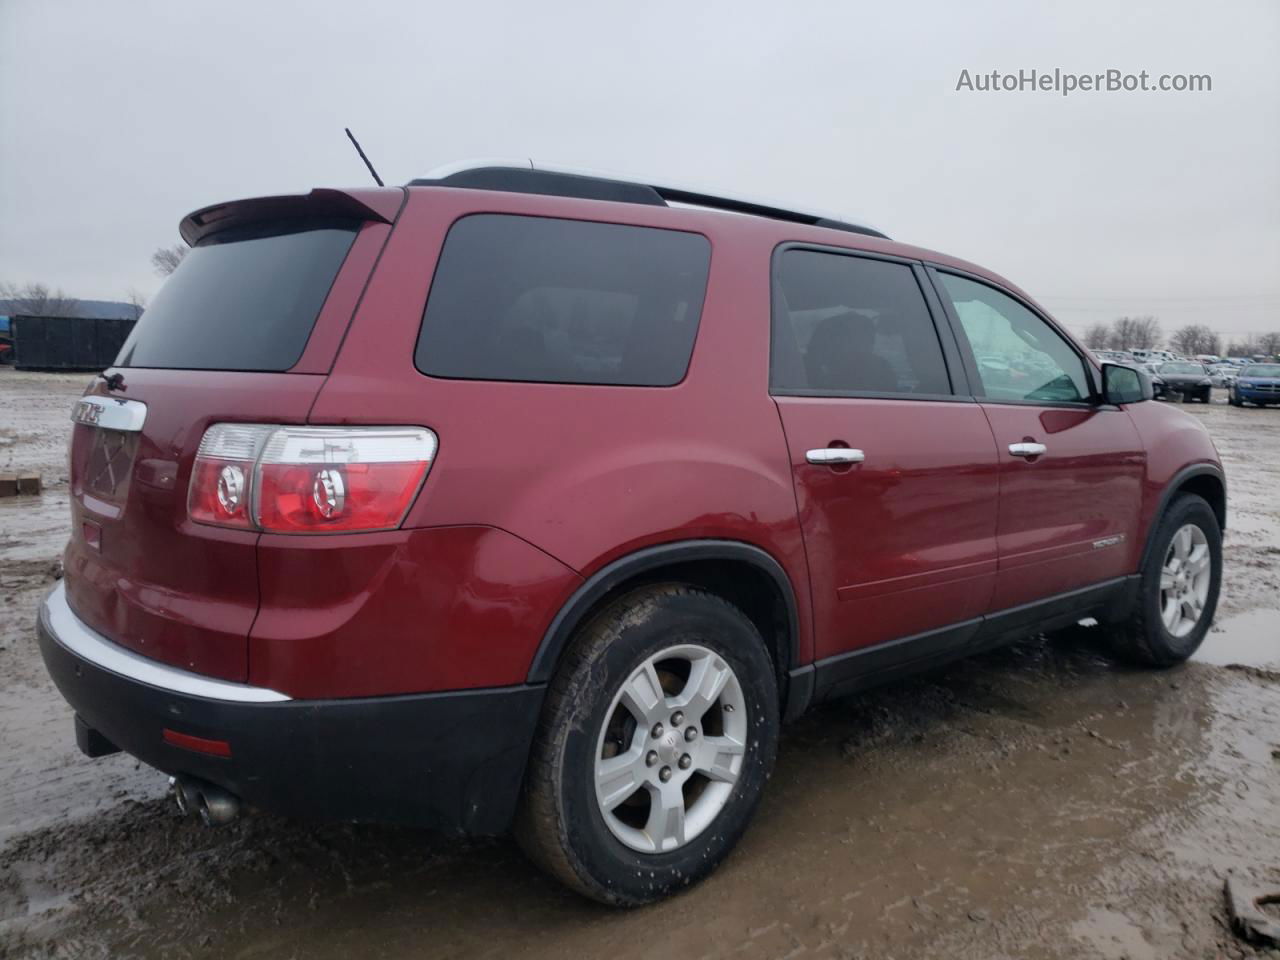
(1184, 368)
(844, 324)
(1261, 370)
(564, 301)
(242, 299)
(1019, 356)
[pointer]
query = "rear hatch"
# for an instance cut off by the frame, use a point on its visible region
(245, 330)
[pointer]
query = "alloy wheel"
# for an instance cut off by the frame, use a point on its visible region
(1184, 580)
(671, 748)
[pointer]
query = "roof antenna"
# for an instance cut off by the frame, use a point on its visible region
(356, 143)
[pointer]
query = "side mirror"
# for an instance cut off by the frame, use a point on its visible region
(1121, 384)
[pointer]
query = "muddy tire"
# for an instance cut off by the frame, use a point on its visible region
(656, 740)
(1178, 589)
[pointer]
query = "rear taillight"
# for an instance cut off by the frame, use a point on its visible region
(308, 479)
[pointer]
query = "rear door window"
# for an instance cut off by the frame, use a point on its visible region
(847, 325)
(564, 301)
(245, 298)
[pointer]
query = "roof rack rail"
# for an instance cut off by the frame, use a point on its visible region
(522, 176)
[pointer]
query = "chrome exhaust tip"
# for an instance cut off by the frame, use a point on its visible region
(213, 805)
(216, 806)
(183, 795)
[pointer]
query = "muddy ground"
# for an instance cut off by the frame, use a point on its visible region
(1038, 802)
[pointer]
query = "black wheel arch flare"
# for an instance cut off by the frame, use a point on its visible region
(649, 559)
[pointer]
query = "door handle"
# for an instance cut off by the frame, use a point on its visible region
(1027, 449)
(832, 455)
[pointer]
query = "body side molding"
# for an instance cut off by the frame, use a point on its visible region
(866, 667)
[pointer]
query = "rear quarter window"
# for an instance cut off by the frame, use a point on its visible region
(538, 299)
(245, 298)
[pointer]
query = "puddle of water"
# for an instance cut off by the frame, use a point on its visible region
(1251, 639)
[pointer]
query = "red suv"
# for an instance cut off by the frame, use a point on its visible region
(522, 498)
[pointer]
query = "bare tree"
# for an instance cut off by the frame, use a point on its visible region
(1269, 343)
(1122, 334)
(1186, 340)
(1135, 333)
(37, 300)
(1097, 336)
(166, 259)
(1196, 338)
(1146, 332)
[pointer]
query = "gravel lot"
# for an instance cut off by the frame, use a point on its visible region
(1038, 802)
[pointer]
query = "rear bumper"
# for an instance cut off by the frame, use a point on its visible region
(451, 761)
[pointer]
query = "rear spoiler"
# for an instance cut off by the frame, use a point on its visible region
(380, 205)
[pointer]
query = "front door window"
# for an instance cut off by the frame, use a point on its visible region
(1020, 358)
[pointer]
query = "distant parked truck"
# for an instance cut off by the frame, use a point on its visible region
(67, 343)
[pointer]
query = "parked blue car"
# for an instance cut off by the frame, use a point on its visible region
(1256, 383)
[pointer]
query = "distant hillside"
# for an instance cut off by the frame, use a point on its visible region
(113, 309)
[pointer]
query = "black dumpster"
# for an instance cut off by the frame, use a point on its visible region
(67, 343)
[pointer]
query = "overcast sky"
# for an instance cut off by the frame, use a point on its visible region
(118, 117)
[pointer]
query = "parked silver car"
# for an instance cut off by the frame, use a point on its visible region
(1223, 374)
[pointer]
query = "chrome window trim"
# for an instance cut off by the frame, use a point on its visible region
(110, 413)
(71, 633)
